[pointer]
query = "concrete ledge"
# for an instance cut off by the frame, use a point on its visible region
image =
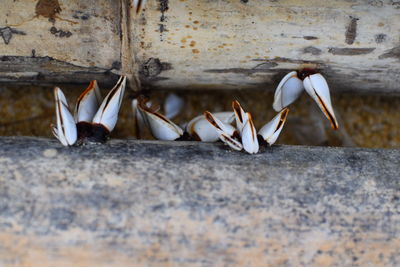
(191, 204)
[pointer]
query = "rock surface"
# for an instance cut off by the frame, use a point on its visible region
(184, 203)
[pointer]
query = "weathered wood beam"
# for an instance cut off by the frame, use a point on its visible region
(185, 203)
(203, 44)
(47, 70)
(55, 41)
(252, 44)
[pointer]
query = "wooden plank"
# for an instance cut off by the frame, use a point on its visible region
(253, 44)
(185, 203)
(51, 41)
(222, 44)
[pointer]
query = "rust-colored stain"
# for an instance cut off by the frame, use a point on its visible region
(183, 40)
(330, 116)
(236, 108)
(91, 86)
(192, 43)
(196, 22)
(209, 117)
(48, 8)
(195, 51)
(139, 6)
(253, 134)
(282, 119)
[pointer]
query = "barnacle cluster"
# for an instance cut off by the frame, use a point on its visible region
(95, 118)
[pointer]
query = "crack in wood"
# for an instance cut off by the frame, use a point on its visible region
(392, 53)
(312, 50)
(163, 8)
(289, 60)
(350, 51)
(7, 32)
(310, 37)
(33, 69)
(260, 68)
(237, 70)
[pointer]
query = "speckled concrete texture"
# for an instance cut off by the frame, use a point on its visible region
(151, 203)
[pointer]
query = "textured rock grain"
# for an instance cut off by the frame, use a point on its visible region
(192, 204)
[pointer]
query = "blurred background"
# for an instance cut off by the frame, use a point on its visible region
(365, 120)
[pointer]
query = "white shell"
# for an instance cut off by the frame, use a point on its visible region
(219, 125)
(317, 87)
(88, 103)
(173, 105)
(138, 117)
(65, 131)
(249, 136)
(228, 140)
(240, 115)
(270, 132)
(206, 131)
(138, 5)
(160, 127)
(107, 115)
(288, 90)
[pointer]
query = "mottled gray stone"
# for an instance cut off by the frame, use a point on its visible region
(197, 204)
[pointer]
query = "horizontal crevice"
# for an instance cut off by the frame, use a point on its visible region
(364, 120)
